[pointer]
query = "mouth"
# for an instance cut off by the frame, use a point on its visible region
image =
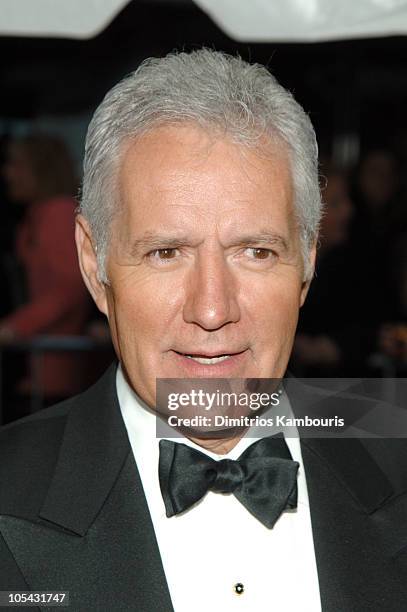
(206, 360)
(210, 362)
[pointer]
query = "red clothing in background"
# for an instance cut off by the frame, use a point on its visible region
(58, 300)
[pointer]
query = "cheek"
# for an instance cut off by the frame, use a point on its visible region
(280, 323)
(141, 315)
(273, 307)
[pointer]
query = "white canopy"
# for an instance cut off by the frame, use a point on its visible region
(64, 18)
(307, 20)
(243, 20)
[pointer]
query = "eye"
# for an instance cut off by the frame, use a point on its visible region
(163, 255)
(260, 253)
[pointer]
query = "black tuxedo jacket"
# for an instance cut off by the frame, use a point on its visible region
(73, 515)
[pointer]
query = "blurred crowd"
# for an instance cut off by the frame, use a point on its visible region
(352, 324)
(354, 320)
(43, 294)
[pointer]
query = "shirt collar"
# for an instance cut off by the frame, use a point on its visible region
(140, 421)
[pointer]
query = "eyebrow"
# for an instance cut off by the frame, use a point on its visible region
(152, 241)
(157, 241)
(266, 237)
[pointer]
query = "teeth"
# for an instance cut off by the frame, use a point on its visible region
(208, 360)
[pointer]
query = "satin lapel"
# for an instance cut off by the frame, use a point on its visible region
(358, 503)
(114, 566)
(94, 523)
(357, 526)
(92, 453)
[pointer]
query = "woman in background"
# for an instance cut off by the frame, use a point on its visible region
(39, 174)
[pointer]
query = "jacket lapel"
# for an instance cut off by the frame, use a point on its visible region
(94, 523)
(357, 494)
(354, 534)
(358, 503)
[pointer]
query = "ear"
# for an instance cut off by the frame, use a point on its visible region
(88, 263)
(311, 266)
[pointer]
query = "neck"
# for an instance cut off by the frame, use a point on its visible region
(220, 446)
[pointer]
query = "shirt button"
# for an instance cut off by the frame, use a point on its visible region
(239, 588)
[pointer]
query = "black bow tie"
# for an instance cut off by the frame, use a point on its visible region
(264, 478)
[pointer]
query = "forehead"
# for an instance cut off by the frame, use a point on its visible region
(185, 172)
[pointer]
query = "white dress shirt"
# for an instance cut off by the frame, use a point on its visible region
(217, 544)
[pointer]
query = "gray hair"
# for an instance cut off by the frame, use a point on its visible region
(216, 91)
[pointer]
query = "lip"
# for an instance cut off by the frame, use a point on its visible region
(208, 354)
(223, 369)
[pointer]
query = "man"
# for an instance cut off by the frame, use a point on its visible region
(197, 238)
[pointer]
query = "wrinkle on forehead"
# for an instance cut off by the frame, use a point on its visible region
(181, 178)
(194, 152)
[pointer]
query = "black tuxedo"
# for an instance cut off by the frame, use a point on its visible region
(73, 515)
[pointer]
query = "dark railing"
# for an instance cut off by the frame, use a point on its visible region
(38, 346)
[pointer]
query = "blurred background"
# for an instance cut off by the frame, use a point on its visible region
(346, 67)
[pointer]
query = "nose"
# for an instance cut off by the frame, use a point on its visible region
(211, 293)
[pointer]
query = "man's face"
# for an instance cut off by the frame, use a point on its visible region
(206, 277)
